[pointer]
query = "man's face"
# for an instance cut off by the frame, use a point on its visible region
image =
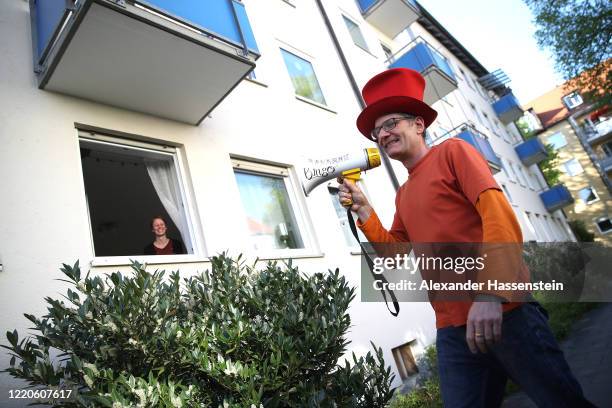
(400, 142)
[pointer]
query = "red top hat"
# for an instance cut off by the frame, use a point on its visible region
(394, 90)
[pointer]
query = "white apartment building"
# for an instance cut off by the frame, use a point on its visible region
(113, 111)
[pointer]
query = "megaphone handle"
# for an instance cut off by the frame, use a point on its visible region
(352, 177)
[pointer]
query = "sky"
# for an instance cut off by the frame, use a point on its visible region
(500, 34)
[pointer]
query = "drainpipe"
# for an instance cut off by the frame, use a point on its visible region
(355, 87)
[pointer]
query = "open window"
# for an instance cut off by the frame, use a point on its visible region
(404, 360)
(127, 183)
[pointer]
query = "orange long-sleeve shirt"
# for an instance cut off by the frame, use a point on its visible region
(451, 197)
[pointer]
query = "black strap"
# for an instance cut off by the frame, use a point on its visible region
(370, 263)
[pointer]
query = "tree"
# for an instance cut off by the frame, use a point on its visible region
(579, 35)
(230, 337)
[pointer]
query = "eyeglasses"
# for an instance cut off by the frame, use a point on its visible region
(388, 125)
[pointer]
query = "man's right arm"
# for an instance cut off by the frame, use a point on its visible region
(368, 221)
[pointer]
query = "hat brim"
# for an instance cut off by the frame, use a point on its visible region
(393, 104)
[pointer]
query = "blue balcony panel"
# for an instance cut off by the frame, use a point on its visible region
(531, 151)
(508, 108)
(390, 17)
(483, 146)
(172, 59)
(556, 197)
(439, 78)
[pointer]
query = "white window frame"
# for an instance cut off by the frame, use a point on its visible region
(597, 221)
(505, 189)
(557, 134)
(531, 226)
(199, 252)
(594, 193)
(365, 46)
(297, 205)
(291, 50)
(572, 100)
(565, 167)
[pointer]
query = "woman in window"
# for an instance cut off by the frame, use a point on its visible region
(162, 245)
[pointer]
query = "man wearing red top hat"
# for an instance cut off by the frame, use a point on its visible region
(450, 197)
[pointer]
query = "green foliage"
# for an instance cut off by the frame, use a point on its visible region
(228, 337)
(549, 166)
(581, 232)
(523, 128)
(561, 316)
(427, 394)
(578, 33)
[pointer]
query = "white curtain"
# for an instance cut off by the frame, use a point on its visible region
(165, 183)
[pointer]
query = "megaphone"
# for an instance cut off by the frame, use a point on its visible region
(347, 165)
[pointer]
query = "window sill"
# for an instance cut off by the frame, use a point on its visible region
(147, 259)
(254, 81)
(313, 103)
(365, 50)
(285, 255)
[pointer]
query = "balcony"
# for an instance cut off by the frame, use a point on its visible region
(478, 140)
(606, 164)
(176, 60)
(508, 108)
(556, 198)
(421, 56)
(531, 151)
(390, 17)
(598, 133)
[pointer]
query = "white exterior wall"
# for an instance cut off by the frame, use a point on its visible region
(45, 220)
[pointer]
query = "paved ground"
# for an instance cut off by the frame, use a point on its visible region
(588, 350)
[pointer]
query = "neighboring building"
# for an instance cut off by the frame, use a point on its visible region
(116, 111)
(582, 136)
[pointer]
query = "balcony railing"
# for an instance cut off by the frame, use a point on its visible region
(508, 108)
(531, 151)
(420, 56)
(390, 17)
(478, 140)
(172, 59)
(556, 198)
(606, 164)
(598, 133)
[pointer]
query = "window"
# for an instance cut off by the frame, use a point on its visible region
(519, 175)
(572, 167)
(349, 239)
(557, 140)
(128, 183)
(604, 225)
(505, 169)
(406, 365)
(529, 223)
(507, 193)
(303, 77)
(572, 100)
(525, 177)
(477, 114)
(355, 33)
(268, 201)
(388, 53)
(466, 77)
(588, 195)
(488, 123)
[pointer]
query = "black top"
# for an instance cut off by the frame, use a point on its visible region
(177, 248)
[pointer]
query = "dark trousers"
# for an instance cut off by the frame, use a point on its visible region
(528, 354)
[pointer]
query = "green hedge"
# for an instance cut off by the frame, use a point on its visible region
(229, 337)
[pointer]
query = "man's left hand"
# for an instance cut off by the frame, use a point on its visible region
(484, 324)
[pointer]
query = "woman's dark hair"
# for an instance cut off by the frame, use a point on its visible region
(158, 217)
